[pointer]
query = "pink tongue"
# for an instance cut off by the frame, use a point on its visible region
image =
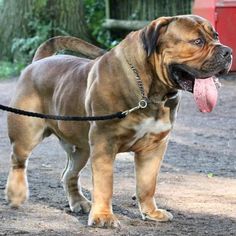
(205, 94)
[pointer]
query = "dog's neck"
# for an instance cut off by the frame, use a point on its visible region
(149, 84)
(154, 88)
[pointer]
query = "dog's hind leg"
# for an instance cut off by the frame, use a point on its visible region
(76, 160)
(24, 133)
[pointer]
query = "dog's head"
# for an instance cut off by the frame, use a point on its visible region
(186, 54)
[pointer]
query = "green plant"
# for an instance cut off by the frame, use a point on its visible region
(9, 69)
(24, 48)
(95, 16)
(210, 175)
(39, 28)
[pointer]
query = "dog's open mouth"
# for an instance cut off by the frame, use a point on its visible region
(202, 85)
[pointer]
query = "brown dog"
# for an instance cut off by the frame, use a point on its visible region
(169, 55)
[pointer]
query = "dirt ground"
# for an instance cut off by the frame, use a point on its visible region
(197, 183)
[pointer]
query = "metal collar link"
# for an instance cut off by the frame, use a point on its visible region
(144, 101)
(141, 105)
(138, 80)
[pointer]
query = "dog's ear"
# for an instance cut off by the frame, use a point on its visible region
(151, 33)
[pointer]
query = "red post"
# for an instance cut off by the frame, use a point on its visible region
(206, 9)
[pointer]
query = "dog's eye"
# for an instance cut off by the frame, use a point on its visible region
(198, 42)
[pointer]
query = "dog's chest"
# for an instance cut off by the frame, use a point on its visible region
(149, 131)
(150, 125)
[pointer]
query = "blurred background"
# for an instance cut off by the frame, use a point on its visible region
(25, 24)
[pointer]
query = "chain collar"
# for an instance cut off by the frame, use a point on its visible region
(139, 81)
(144, 101)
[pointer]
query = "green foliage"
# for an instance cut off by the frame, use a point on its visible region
(38, 27)
(210, 175)
(38, 30)
(23, 49)
(95, 16)
(8, 69)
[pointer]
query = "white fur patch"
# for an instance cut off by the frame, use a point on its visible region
(150, 125)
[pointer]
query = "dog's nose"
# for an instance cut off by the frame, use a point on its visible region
(227, 52)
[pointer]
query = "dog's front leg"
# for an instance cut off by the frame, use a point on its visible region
(102, 158)
(147, 165)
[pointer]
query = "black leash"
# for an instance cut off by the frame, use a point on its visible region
(118, 115)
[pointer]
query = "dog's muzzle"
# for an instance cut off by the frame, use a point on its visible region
(203, 82)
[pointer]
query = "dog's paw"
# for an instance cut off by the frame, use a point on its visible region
(16, 198)
(103, 221)
(79, 206)
(158, 215)
(16, 191)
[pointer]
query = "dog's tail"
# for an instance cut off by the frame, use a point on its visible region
(52, 45)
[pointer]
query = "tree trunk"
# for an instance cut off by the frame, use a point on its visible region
(22, 18)
(13, 23)
(67, 17)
